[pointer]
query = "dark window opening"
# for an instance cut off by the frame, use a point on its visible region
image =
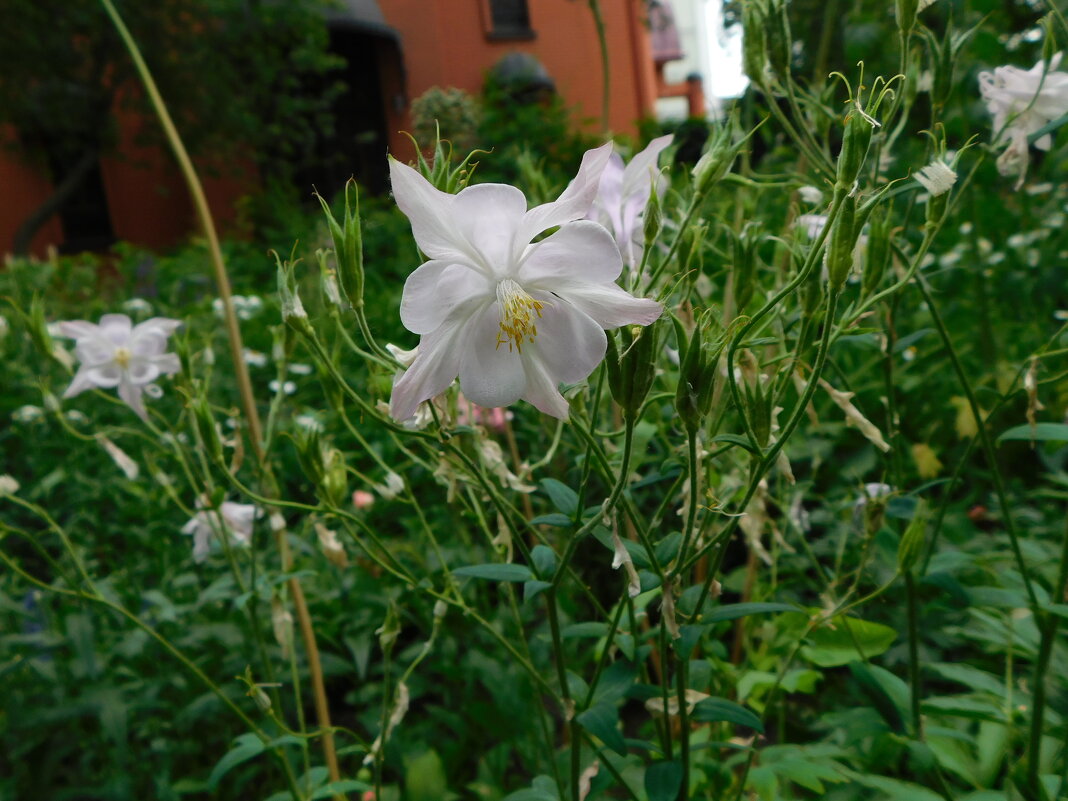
(85, 217)
(511, 19)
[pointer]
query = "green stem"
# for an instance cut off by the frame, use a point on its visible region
(1050, 624)
(984, 438)
(914, 653)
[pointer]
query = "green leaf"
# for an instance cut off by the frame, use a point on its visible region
(562, 496)
(496, 572)
(894, 789)
(246, 746)
(668, 547)
(688, 638)
(615, 681)
(711, 710)
(735, 611)
(584, 630)
(600, 720)
(532, 589)
(851, 640)
(735, 439)
(544, 559)
(887, 693)
(1043, 432)
(336, 788)
(553, 519)
(424, 778)
(663, 780)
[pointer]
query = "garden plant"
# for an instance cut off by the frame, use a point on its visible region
(741, 479)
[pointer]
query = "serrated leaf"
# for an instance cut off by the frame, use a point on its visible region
(600, 720)
(496, 572)
(712, 710)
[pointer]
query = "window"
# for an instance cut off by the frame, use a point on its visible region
(508, 19)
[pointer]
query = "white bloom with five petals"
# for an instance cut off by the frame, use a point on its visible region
(232, 520)
(623, 194)
(511, 317)
(117, 353)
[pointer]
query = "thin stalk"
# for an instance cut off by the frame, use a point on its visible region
(1045, 652)
(914, 653)
(984, 438)
(606, 75)
(565, 691)
(248, 401)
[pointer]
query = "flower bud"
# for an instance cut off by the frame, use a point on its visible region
(743, 272)
(206, 428)
(631, 370)
(878, 250)
(855, 144)
(697, 377)
(911, 545)
(905, 11)
(653, 220)
(778, 39)
(754, 41)
(716, 161)
(293, 313)
(838, 257)
(335, 483)
(348, 243)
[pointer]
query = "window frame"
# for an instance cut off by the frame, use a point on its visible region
(497, 33)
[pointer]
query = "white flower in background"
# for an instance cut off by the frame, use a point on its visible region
(300, 369)
(5, 326)
(1023, 102)
(244, 307)
(231, 519)
(810, 195)
(513, 319)
(393, 487)
(937, 177)
(254, 358)
(116, 353)
(8, 485)
(120, 457)
(27, 414)
(276, 386)
(623, 194)
(812, 224)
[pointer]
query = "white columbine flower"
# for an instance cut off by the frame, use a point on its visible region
(232, 519)
(937, 177)
(623, 194)
(513, 319)
(1023, 102)
(116, 353)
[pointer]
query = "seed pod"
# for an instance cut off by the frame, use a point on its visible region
(631, 371)
(754, 41)
(911, 545)
(878, 250)
(906, 14)
(855, 144)
(348, 244)
(697, 377)
(778, 39)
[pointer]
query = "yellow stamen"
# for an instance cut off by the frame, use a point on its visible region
(122, 357)
(519, 314)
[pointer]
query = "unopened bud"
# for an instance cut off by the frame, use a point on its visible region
(911, 545)
(843, 239)
(348, 244)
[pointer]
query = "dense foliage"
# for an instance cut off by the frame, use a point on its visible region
(802, 538)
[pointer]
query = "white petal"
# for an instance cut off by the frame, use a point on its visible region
(434, 290)
(132, 395)
(168, 363)
(77, 329)
(116, 328)
(82, 381)
(490, 375)
(542, 389)
(161, 325)
(105, 375)
(430, 213)
(488, 215)
(610, 306)
(142, 371)
(574, 202)
(94, 350)
(582, 251)
(642, 171)
(569, 343)
(434, 368)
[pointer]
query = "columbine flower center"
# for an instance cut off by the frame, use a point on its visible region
(122, 357)
(519, 315)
